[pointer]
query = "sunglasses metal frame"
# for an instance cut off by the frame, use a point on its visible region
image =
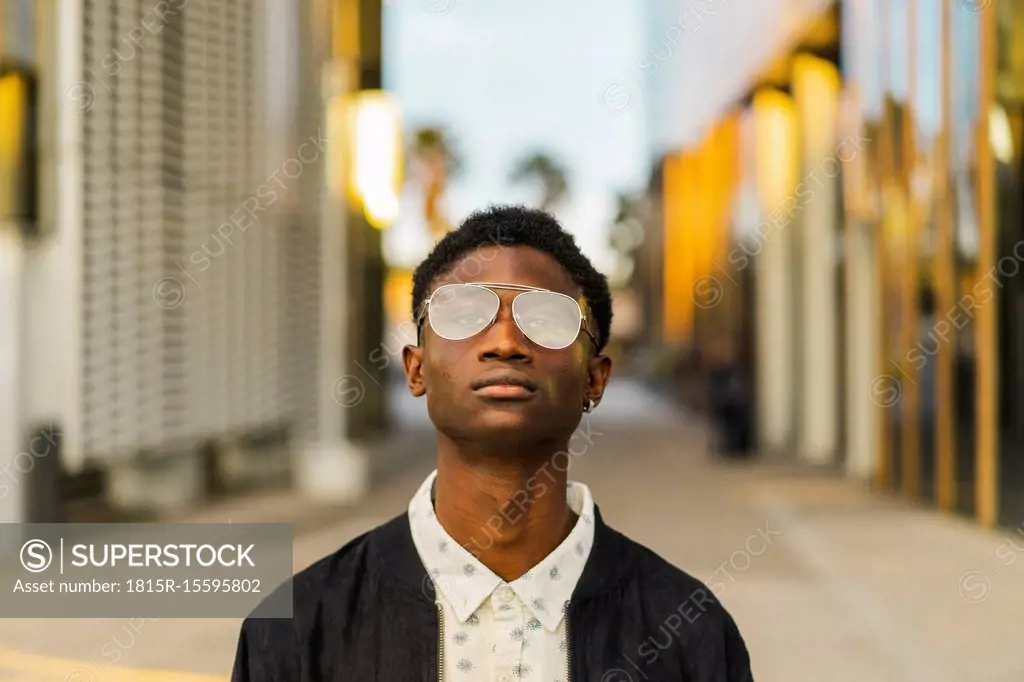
(522, 288)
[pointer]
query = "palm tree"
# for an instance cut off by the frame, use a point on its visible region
(542, 168)
(626, 236)
(627, 233)
(432, 151)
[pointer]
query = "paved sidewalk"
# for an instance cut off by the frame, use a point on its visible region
(828, 582)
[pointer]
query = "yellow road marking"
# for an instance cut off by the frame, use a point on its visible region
(38, 668)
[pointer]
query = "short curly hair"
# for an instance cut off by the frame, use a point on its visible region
(514, 225)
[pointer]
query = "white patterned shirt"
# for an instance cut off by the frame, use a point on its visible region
(493, 630)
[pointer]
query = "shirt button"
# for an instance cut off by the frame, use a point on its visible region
(505, 594)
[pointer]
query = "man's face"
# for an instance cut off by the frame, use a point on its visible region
(450, 373)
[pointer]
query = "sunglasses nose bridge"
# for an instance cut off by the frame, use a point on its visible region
(503, 337)
(507, 309)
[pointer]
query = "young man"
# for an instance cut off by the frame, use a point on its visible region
(501, 569)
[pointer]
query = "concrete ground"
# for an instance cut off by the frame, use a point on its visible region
(828, 582)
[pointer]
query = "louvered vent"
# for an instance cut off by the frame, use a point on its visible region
(133, 356)
(301, 362)
(189, 332)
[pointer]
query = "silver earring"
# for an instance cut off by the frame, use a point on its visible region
(589, 407)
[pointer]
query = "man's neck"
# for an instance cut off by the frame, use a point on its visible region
(508, 512)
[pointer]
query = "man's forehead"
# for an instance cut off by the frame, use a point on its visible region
(520, 265)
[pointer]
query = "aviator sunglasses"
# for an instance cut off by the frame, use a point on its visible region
(459, 311)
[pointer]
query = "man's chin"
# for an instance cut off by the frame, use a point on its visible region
(508, 423)
(501, 422)
(506, 416)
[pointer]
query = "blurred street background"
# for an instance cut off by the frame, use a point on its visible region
(811, 213)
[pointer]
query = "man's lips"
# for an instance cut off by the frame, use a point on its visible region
(504, 391)
(505, 384)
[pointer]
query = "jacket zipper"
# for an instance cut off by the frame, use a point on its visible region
(440, 642)
(568, 644)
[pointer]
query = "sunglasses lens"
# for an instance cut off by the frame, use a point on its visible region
(458, 311)
(548, 319)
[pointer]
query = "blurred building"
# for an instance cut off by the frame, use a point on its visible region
(850, 212)
(187, 272)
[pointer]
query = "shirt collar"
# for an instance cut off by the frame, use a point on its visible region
(466, 583)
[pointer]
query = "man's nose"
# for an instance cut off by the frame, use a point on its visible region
(503, 340)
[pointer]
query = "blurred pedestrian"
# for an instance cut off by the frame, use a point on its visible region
(730, 401)
(501, 567)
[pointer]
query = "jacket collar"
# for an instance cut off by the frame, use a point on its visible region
(392, 546)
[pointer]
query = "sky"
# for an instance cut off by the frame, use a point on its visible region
(506, 79)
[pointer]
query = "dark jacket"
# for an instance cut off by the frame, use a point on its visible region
(367, 613)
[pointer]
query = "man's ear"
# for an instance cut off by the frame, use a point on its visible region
(412, 360)
(599, 368)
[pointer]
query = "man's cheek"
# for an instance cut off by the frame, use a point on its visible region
(567, 385)
(445, 384)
